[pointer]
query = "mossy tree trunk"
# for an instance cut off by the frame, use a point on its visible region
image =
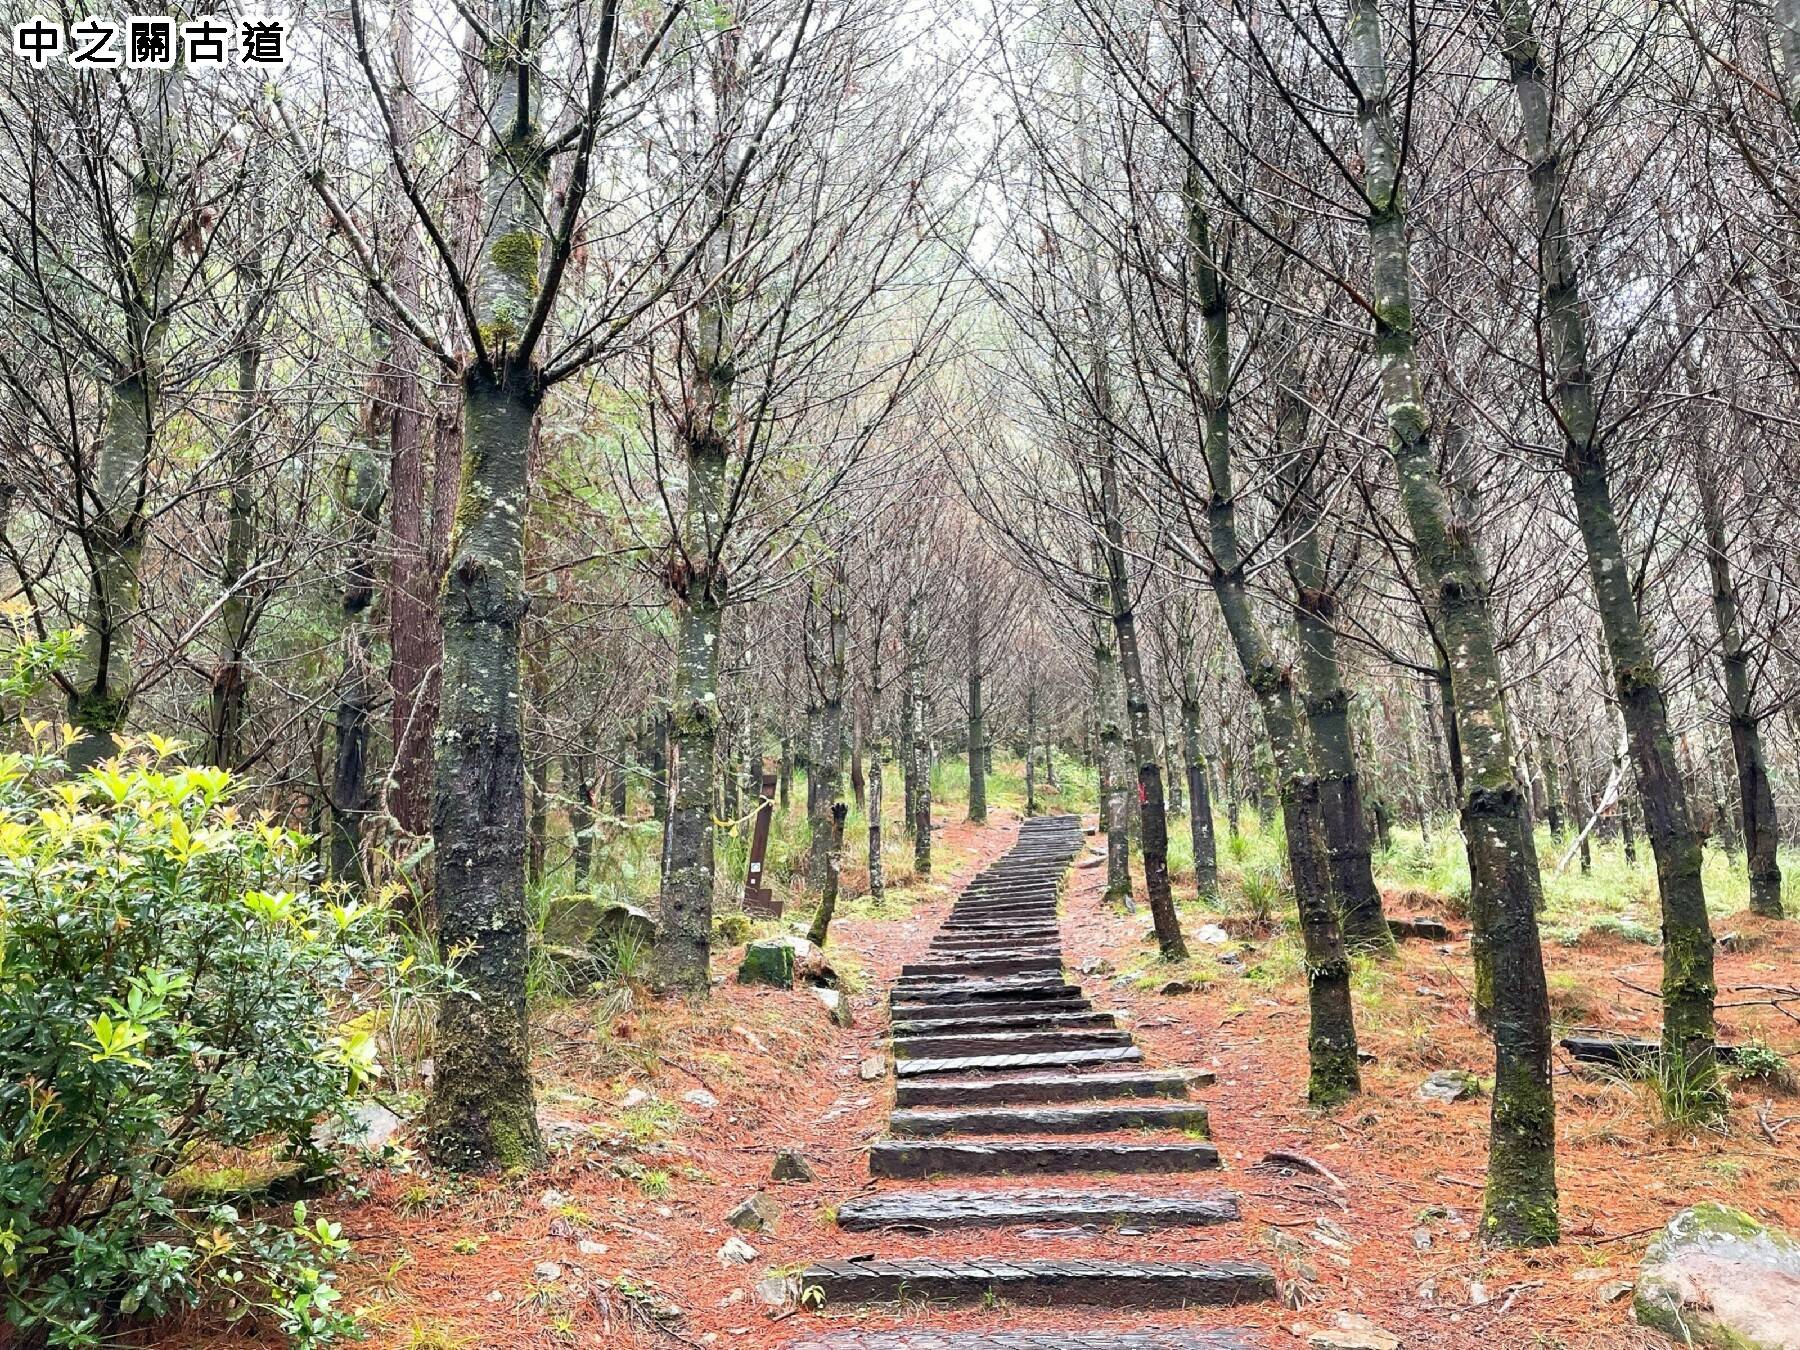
(578, 778)
(977, 722)
(1333, 1071)
(834, 868)
(876, 792)
(1687, 985)
(828, 656)
(1109, 704)
(1200, 821)
(363, 490)
(1520, 1199)
(238, 608)
(1761, 825)
(1327, 700)
(482, 1114)
(699, 583)
(110, 501)
(919, 758)
(1031, 735)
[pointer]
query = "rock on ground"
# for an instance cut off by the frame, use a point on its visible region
(1717, 1277)
(1449, 1085)
(792, 1166)
(757, 1214)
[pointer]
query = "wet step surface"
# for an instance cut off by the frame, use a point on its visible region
(941, 1208)
(991, 1041)
(1188, 1117)
(1151, 1338)
(1110, 1054)
(925, 1158)
(1033, 1282)
(1042, 1087)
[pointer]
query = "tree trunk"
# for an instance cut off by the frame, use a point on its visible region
(827, 772)
(237, 610)
(1761, 827)
(1193, 758)
(415, 638)
(977, 725)
(1327, 702)
(1520, 1201)
(578, 776)
(113, 496)
(1112, 762)
(482, 1113)
(1031, 803)
(877, 867)
(1333, 1071)
(1687, 985)
(364, 489)
(919, 761)
(834, 867)
(698, 580)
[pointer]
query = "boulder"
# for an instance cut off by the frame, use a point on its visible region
(1449, 1085)
(1717, 1277)
(368, 1125)
(779, 961)
(580, 933)
(770, 961)
(872, 1069)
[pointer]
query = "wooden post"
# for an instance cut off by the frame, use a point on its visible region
(759, 900)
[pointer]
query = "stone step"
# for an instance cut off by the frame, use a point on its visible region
(982, 964)
(1043, 1087)
(1007, 1042)
(915, 1158)
(948, 988)
(939, 1208)
(1001, 944)
(1110, 1054)
(1025, 1021)
(1035, 1282)
(949, 1012)
(1081, 1119)
(1137, 1338)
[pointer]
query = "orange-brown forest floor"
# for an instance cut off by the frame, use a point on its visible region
(441, 1264)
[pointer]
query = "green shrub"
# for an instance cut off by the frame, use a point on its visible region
(170, 987)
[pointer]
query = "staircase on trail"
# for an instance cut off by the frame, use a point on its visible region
(1001, 1067)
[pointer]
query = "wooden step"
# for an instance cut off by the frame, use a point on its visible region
(1037, 1283)
(914, 1158)
(1049, 1059)
(1042, 1087)
(1081, 1119)
(940, 1208)
(941, 1046)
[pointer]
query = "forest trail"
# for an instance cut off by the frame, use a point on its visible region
(1004, 1070)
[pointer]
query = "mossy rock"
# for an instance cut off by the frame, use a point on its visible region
(731, 927)
(584, 921)
(1716, 1277)
(771, 961)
